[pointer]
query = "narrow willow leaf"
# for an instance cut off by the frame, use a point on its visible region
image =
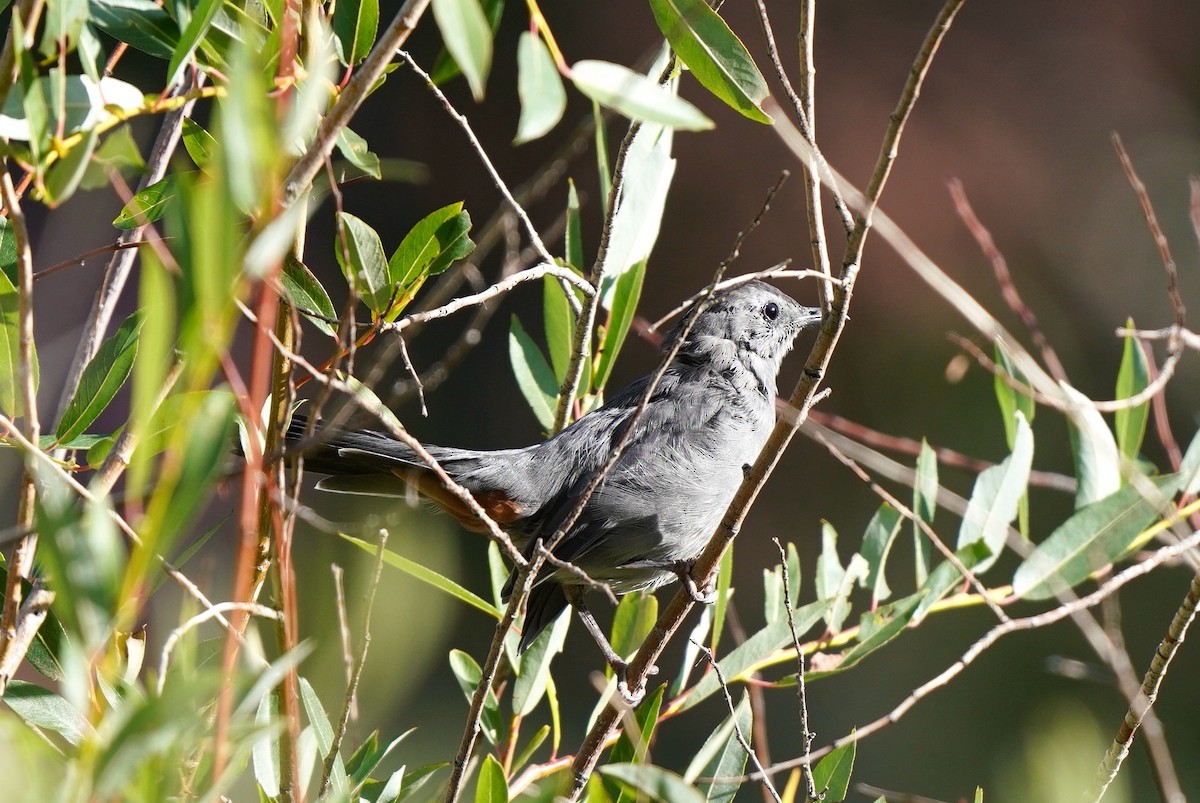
(324, 733)
(530, 686)
(831, 775)
(534, 375)
(65, 175)
(925, 491)
(714, 54)
(997, 495)
(445, 68)
(44, 709)
(264, 754)
(635, 96)
(205, 451)
(876, 628)
(646, 717)
(104, 375)
(755, 649)
(64, 22)
(1097, 461)
(877, 544)
(468, 37)
(363, 263)
(8, 251)
(656, 783)
(691, 651)
(202, 16)
(1009, 399)
(603, 167)
(627, 291)
(306, 294)
(730, 760)
(427, 576)
(946, 577)
(491, 786)
(634, 618)
(11, 394)
(147, 206)
(118, 152)
(355, 23)
(558, 321)
(540, 88)
(528, 750)
(1132, 379)
(468, 674)
(1092, 539)
(358, 153)
(200, 144)
(1189, 469)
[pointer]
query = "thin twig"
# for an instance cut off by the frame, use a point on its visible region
(806, 734)
(737, 729)
(1008, 288)
(32, 613)
(339, 594)
(1151, 683)
(364, 641)
(199, 619)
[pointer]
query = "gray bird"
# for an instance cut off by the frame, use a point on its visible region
(654, 512)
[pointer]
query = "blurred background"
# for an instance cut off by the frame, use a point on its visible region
(1020, 106)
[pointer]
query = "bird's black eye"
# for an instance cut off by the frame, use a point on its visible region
(771, 311)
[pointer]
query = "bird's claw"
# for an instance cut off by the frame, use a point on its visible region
(632, 697)
(706, 595)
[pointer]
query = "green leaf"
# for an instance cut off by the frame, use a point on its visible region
(540, 88)
(632, 622)
(530, 685)
(573, 237)
(1092, 539)
(445, 68)
(535, 742)
(141, 24)
(468, 37)
(428, 249)
(491, 786)
(355, 23)
(468, 674)
(8, 251)
(202, 15)
(996, 497)
(1189, 469)
(635, 96)
(925, 490)
(626, 294)
(603, 168)
(558, 321)
(877, 543)
(358, 153)
(264, 754)
(722, 756)
(658, 784)
(104, 375)
(1132, 379)
(64, 22)
(534, 376)
(147, 206)
(11, 395)
(946, 577)
(1007, 397)
(363, 262)
(1097, 461)
(200, 144)
(324, 732)
(305, 292)
(427, 576)
(714, 54)
(831, 775)
(65, 175)
(755, 649)
(626, 749)
(833, 582)
(876, 628)
(44, 709)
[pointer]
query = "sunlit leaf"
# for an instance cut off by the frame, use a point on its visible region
(358, 153)
(305, 293)
(996, 497)
(200, 144)
(44, 709)
(104, 375)
(202, 15)
(713, 53)
(558, 321)
(445, 68)
(429, 248)
(428, 576)
(491, 787)
(540, 88)
(148, 205)
(1008, 397)
(141, 24)
(66, 174)
(324, 732)
(534, 376)
(366, 268)
(1092, 539)
(1132, 379)
(831, 775)
(468, 674)
(64, 21)
(658, 784)
(877, 544)
(634, 618)
(636, 96)
(530, 686)
(118, 152)
(925, 491)
(626, 293)
(1097, 461)
(722, 755)
(468, 37)
(11, 398)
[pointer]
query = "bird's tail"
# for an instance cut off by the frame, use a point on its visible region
(339, 452)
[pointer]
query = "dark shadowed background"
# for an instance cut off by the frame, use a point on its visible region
(1020, 106)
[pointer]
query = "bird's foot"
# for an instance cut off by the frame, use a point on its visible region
(631, 696)
(706, 595)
